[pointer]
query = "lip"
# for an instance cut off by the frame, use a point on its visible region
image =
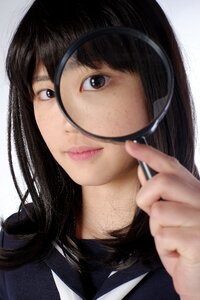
(79, 153)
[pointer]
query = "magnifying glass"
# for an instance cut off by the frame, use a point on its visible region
(115, 84)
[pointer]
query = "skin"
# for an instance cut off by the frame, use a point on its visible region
(110, 181)
(116, 109)
(175, 222)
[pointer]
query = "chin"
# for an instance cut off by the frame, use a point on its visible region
(90, 179)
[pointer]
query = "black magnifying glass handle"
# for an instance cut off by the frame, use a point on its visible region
(148, 172)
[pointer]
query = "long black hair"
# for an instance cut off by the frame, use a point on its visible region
(42, 36)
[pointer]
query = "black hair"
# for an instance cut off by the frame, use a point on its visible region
(43, 35)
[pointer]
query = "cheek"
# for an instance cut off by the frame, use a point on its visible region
(47, 125)
(118, 161)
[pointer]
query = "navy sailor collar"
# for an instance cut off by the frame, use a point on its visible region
(72, 278)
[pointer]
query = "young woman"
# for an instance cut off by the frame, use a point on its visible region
(95, 228)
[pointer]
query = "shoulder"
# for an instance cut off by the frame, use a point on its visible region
(36, 276)
(33, 280)
(156, 285)
(18, 224)
(8, 240)
(2, 273)
(5, 241)
(1, 239)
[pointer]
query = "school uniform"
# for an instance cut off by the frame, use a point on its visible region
(55, 279)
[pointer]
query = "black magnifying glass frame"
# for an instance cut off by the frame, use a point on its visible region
(143, 133)
(151, 127)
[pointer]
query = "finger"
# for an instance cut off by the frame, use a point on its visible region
(168, 187)
(158, 161)
(183, 240)
(179, 249)
(169, 214)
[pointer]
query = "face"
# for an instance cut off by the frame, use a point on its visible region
(87, 161)
(103, 101)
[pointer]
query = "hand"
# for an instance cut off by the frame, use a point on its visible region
(175, 222)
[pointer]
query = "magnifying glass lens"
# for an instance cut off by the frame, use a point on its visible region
(114, 84)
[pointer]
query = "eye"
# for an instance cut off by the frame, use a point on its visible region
(46, 94)
(95, 82)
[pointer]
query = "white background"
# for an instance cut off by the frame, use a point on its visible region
(185, 19)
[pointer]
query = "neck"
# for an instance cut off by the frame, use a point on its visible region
(107, 207)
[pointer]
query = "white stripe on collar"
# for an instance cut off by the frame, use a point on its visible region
(122, 290)
(64, 291)
(116, 294)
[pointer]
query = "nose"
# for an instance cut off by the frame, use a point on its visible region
(68, 126)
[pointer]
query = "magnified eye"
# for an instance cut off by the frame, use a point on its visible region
(95, 82)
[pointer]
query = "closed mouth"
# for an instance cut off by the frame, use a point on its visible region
(83, 152)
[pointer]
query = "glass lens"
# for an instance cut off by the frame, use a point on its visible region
(114, 84)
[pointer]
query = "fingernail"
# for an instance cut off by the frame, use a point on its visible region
(133, 145)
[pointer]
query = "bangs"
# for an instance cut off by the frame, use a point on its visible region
(41, 38)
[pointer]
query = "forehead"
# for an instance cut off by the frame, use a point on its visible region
(40, 74)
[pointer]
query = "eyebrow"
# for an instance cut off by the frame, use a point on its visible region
(39, 78)
(72, 64)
